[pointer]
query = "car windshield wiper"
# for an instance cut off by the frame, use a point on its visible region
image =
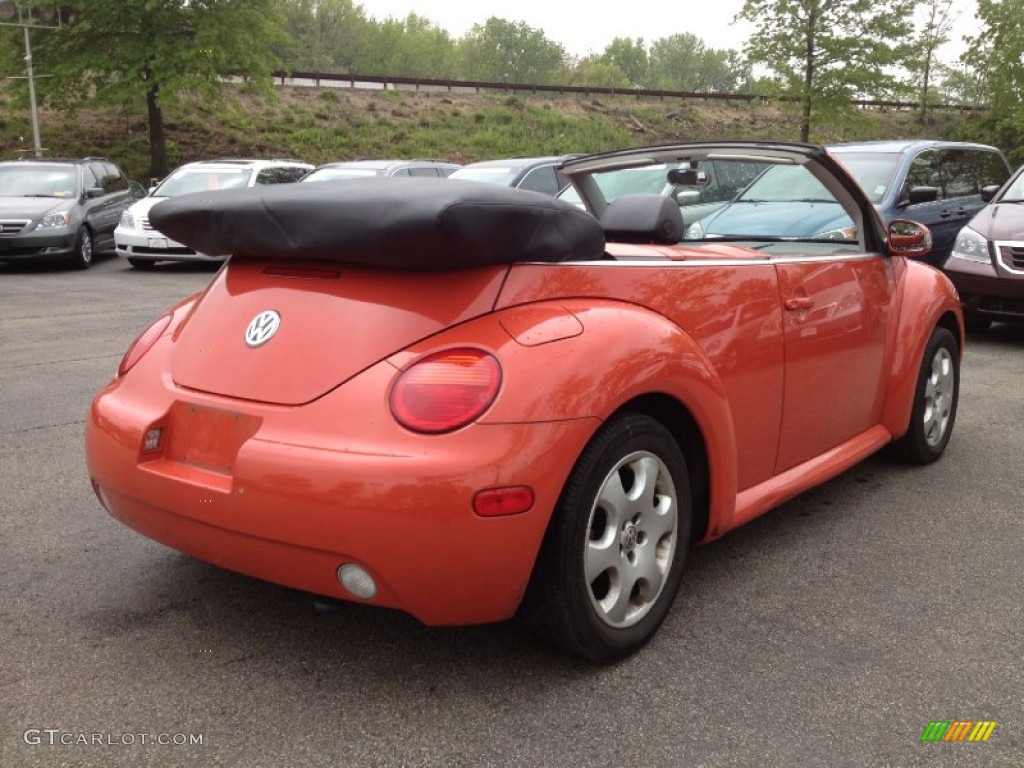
(39, 195)
(1011, 200)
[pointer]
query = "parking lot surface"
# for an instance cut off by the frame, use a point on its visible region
(830, 632)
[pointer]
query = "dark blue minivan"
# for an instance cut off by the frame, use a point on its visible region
(936, 183)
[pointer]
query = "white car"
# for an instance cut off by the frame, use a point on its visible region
(144, 246)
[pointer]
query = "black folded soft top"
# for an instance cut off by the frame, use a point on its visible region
(403, 223)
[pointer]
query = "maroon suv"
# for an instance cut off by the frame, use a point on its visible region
(987, 262)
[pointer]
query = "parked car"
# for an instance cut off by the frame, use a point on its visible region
(61, 209)
(723, 181)
(490, 403)
(537, 174)
(356, 169)
(782, 201)
(987, 262)
(138, 241)
(936, 183)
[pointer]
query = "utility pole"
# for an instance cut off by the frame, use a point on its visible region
(27, 22)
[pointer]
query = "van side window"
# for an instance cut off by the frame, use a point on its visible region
(993, 170)
(959, 172)
(923, 172)
(541, 179)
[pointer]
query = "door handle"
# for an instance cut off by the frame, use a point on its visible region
(797, 303)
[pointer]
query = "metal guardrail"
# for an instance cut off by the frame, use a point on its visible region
(378, 82)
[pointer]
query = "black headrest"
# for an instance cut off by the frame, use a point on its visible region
(400, 223)
(643, 219)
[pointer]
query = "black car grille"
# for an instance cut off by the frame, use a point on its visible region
(11, 227)
(1012, 256)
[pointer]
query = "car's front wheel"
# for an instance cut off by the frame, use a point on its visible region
(935, 401)
(613, 556)
(81, 258)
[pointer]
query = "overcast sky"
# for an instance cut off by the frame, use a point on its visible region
(582, 29)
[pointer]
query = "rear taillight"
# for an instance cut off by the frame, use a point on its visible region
(143, 343)
(446, 390)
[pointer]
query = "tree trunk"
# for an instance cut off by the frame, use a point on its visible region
(805, 118)
(924, 86)
(158, 164)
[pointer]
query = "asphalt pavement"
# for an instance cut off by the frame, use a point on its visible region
(829, 632)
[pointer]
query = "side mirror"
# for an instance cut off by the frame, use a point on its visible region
(686, 196)
(909, 239)
(94, 192)
(922, 195)
(987, 193)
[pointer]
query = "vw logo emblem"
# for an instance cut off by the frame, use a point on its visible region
(262, 328)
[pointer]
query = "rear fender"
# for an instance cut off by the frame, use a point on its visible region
(576, 360)
(928, 299)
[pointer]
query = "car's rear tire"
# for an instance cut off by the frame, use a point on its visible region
(81, 258)
(611, 562)
(142, 263)
(935, 401)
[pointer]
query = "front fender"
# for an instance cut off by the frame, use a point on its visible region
(927, 299)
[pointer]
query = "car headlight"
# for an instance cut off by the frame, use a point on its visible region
(841, 233)
(694, 232)
(971, 246)
(54, 220)
(127, 220)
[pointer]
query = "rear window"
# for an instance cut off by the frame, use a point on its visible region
(332, 174)
(497, 175)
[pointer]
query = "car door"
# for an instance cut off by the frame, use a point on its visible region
(101, 211)
(835, 314)
(922, 174)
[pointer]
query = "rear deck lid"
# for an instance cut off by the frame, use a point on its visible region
(287, 333)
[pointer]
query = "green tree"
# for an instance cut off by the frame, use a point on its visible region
(409, 47)
(828, 51)
(592, 72)
(146, 52)
(997, 56)
(682, 62)
(510, 52)
(630, 56)
(323, 36)
(921, 63)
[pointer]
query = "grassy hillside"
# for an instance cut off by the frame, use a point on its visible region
(323, 124)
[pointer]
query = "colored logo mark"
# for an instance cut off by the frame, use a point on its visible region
(958, 730)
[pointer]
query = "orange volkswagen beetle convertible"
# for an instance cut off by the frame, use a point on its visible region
(469, 402)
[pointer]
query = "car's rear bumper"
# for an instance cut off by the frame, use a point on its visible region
(986, 290)
(287, 496)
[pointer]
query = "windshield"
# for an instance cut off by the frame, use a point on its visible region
(874, 172)
(331, 174)
(1014, 192)
(37, 181)
(495, 175)
(186, 180)
(786, 184)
